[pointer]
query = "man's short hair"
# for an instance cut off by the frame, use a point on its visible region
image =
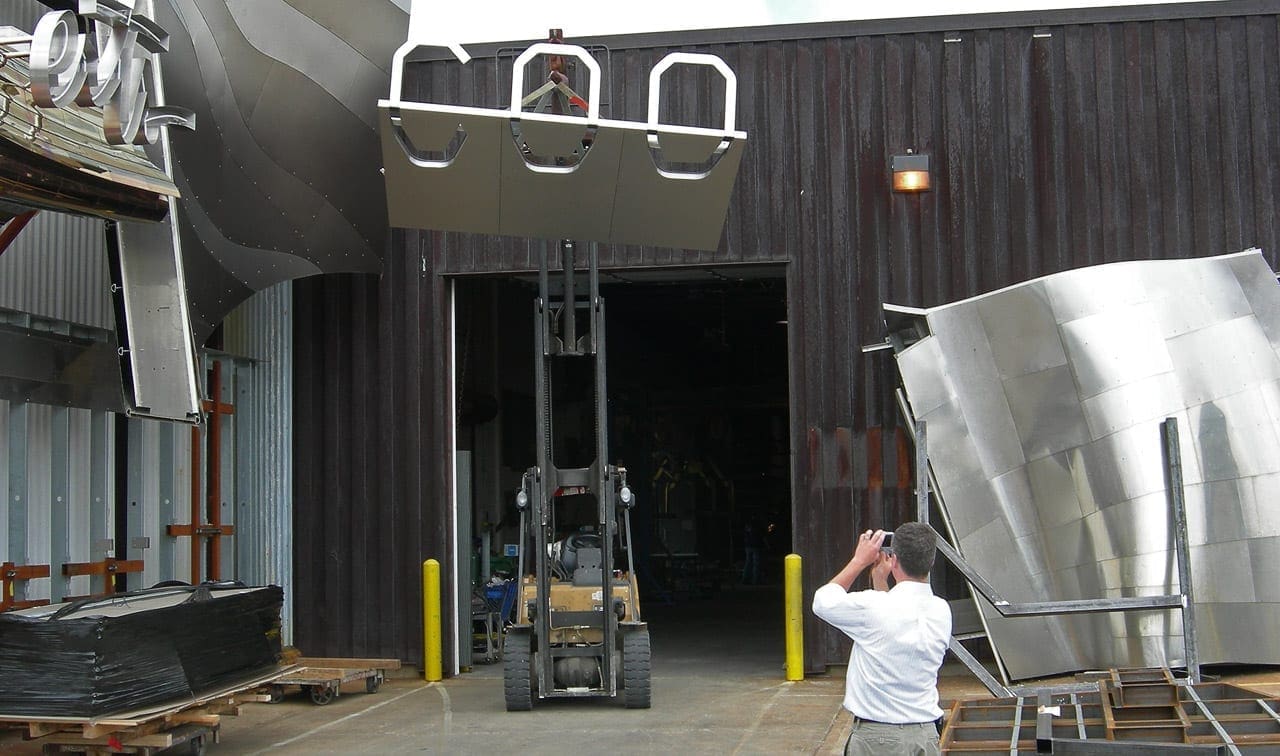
(915, 544)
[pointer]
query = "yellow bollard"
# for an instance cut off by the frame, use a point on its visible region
(432, 668)
(794, 596)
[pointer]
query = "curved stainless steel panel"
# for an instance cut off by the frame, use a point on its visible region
(281, 180)
(1043, 403)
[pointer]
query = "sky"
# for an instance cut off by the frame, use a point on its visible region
(507, 20)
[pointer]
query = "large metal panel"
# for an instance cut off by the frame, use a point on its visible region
(281, 178)
(449, 192)
(559, 175)
(1222, 372)
(153, 324)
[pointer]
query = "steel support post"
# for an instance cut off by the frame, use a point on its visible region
(1178, 508)
(922, 473)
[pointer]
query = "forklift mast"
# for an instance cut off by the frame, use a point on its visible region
(559, 318)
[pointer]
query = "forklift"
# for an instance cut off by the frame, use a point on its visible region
(578, 631)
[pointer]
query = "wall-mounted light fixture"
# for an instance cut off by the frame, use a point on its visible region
(910, 172)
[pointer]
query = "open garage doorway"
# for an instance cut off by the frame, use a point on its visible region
(697, 414)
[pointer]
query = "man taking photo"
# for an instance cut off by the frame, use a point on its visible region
(899, 638)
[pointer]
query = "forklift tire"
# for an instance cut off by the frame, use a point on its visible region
(517, 672)
(635, 668)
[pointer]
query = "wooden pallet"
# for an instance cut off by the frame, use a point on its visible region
(1131, 708)
(148, 729)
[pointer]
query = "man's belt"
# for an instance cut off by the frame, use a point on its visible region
(863, 720)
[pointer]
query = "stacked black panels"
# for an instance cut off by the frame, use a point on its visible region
(136, 650)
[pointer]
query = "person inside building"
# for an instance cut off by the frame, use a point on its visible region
(900, 635)
(753, 544)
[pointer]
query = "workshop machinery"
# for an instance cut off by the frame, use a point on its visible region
(578, 629)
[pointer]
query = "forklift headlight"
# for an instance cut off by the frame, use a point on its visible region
(627, 499)
(522, 501)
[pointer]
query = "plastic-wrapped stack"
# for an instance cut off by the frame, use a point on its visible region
(136, 650)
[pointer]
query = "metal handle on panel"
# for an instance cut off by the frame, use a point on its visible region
(553, 48)
(694, 59)
(554, 163)
(413, 43)
(426, 158)
(702, 170)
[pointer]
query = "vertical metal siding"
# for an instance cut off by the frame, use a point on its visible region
(50, 513)
(261, 330)
(57, 268)
(1120, 139)
(158, 489)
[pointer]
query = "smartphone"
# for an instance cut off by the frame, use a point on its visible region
(888, 541)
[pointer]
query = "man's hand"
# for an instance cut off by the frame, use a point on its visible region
(881, 570)
(868, 551)
(865, 555)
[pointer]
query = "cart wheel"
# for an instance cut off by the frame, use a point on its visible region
(275, 694)
(373, 682)
(635, 668)
(517, 672)
(196, 746)
(323, 694)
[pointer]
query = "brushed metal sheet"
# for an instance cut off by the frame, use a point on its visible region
(1264, 555)
(1046, 411)
(932, 388)
(965, 521)
(1022, 332)
(1187, 300)
(649, 198)
(1084, 513)
(161, 358)
(1223, 572)
(1099, 481)
(1258, 285)
(1090, 291)
(1012, 491)
(1152, 398)
(972, 375)
(957, 453)
(1260, 513)
(612, 192)
(1236, 437)
(1051, 486)
(1222, 359)
(453, 195)
(1115, 346)
(575, 204)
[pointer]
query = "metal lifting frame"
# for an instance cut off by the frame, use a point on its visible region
(1184, 600)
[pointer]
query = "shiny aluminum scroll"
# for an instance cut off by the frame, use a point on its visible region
(520, 173)
(1043, 403)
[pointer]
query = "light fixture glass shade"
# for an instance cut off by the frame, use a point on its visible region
(910, 173)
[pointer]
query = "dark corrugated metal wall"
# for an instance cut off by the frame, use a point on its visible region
(1054, 145)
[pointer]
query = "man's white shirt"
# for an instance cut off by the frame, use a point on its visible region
(899, 639)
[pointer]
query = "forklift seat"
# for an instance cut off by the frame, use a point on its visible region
(588, 570)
